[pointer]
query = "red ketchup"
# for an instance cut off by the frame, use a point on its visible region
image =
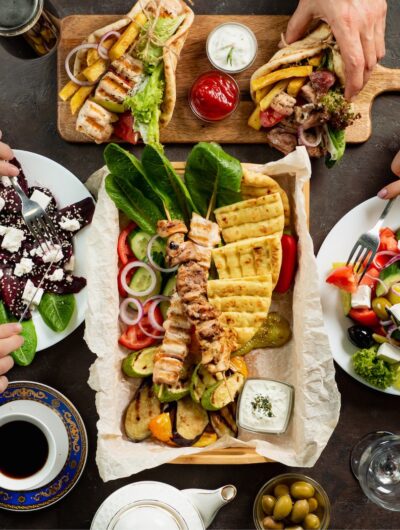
(214, 96)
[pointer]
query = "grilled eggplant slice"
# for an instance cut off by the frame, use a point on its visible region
(190, 422)
(140, 363)
(224, 422)
(143, 408)
(167, 394)
(222, 393)
(201, 380)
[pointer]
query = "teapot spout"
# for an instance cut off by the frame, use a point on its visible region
(209, 502)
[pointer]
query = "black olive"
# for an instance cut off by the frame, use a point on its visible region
(360, 336)
(173, 246)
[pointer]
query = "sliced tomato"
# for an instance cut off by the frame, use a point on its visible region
(370, 277)
(270, 117)
(365, 317)
(124, 128)
(134, 339)
(388, 240)
(344, 278)
(125, 253)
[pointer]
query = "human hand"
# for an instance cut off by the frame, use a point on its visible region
(6, 154)
(359, 29)
(10, 340)
(393, 189)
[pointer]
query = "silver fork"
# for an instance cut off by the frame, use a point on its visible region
(367, 245)
(40, 226)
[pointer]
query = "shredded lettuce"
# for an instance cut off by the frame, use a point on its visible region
(150, 47)
(145, 106)
(336, 146)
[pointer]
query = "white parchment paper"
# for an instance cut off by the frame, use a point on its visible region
(305, 362)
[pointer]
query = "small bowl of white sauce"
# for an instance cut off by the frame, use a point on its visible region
(231, 47)
(265, 406)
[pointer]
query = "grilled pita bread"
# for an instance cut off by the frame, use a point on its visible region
(171, 51)
(314, 43)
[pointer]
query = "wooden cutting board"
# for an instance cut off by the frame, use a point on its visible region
(184, 126)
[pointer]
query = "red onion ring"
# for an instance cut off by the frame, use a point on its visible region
(384, 253)
(390, 331)
(101, 50)
(154, 303)
(157, 337)
(136, 265)
(85, 46)
(393, 260)
(385, 323)
(150, 257)
(378, 280)
(303, 140)
(123, 311)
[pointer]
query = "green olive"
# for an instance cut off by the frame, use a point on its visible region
(268, 503)
(380, 305)
(293, 528)
(283, 507)
(270, 524)
(299, 511)
(313, 504)
(280, 490)
(302, 490)
(312, 522)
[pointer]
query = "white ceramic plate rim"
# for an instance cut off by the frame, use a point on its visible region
(67, 189)
(336, 248)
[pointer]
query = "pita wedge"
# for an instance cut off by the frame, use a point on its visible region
(299, 97)
(129, 80)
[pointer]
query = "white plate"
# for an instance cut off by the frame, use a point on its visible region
(67, 189)
(336, 248)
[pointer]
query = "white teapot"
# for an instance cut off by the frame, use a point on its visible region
(152, 505)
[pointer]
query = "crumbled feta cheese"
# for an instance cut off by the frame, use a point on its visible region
(54, 253)
(2, 203)
(57, 275)
(72, 225)
(23, 267)
(41, 198)
(25, 253)
(70, 265)
(69, 279)
(1, 273)
(29, 292)
(6, 181)
(362, 297)
(3, 230)
(12, 239)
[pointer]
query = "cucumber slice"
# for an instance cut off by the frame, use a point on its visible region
(346, 302)
(139, 240)
(167, 291)
(139, 363)
(222, 393)
(141, 281)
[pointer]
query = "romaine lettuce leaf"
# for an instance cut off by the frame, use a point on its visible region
(336, 146)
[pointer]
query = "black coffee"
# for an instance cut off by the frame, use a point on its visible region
(15, 13)
(23, 449)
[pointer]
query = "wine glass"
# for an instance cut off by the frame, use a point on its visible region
(375, 462)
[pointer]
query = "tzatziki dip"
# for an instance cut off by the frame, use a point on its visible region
(231, 47)
(265, 406)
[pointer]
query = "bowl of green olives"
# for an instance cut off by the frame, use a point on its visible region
(291, 502)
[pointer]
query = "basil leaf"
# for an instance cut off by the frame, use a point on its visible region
(167, 184)
(26, 353)
(133, 203)
(212, 175)
(57, 310)
(124, 164)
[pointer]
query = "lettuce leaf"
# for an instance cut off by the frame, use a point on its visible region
(336, 146)
(145, 106)
(211, 175)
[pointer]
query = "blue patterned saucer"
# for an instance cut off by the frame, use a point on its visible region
(69, 475)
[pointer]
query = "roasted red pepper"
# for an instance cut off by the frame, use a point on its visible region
(289, 263)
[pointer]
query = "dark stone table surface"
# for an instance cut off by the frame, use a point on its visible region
(28, 120)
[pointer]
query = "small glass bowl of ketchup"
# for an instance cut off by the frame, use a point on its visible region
(214, 96)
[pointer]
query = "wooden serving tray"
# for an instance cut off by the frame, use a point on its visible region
(184, 126)
(230, 455)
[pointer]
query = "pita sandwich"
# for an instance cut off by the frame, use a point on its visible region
(135, 73)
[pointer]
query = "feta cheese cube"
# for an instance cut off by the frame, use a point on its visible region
(6, 181)
(394, 310)
(2, 203)
(57, 275)
(12, 239)
(389, 353)
(3, 230)
(362, 297)
(28, 293)
(41, 198)
(72, 225)
(25, 266)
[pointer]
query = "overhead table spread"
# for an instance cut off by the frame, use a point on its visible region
(28, 121)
